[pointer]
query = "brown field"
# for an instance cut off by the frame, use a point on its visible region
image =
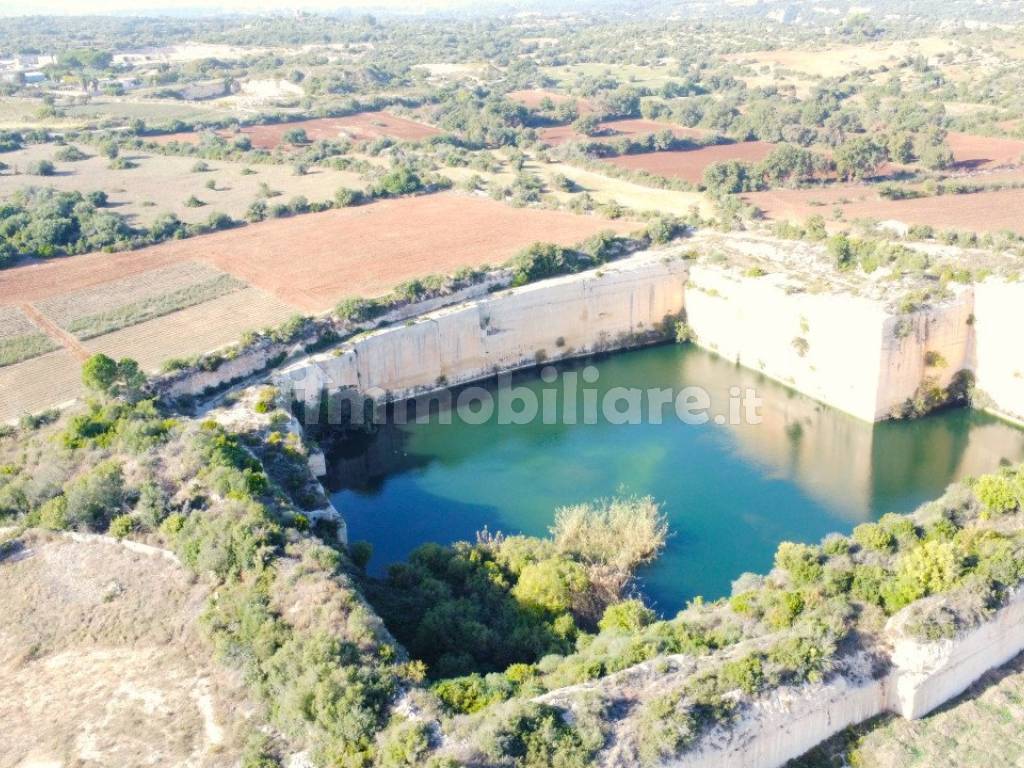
(689, 164)
(617, 129)
(34, 385)
(312, 261)
(161, 184)
(366, 125)
(533, 97)
(194, 330)
(980, 212)
(982, 153)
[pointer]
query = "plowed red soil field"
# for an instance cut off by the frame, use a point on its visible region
(312, 261)
(980, 212)
(689, 164)
(980, 153)
(533, 97)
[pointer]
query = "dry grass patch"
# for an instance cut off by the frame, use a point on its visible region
(101, 662)
(982, 727)
(840, 60)
(38, 383)
(638, 197)
(20, 339)
(161, 184)
(195, 330)
(617, 129)
(359, 127)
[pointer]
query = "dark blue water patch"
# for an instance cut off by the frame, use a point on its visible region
(731, 492)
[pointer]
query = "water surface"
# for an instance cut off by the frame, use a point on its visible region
(731, 492)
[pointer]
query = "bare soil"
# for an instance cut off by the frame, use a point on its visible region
(101, 662)
(979, 212)
(689, 164)
(312, 261)
(984, 153)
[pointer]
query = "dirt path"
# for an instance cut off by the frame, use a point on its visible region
(55, 332)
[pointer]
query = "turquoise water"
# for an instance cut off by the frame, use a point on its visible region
(731, 492)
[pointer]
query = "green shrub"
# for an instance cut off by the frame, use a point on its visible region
(361, 552)
(358, 310)
(746, 673)
(404, 745)
(998, 494)
(874, 537)
(465, 695)
(41, 168)
(70, 154)
(53, 514)
(800, 658)
(401, 180)
(665, 729)
(867, 584)
(121, 526)
(345, 197)
(532, 735)
(784, 609)
(629, 616)
(927, 569)
(800, 561)
(553, 586)
(96, 497)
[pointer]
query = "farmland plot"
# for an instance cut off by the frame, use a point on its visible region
(164, 184)
(41, 382)
(20, 338)
(109, 307)
(195, 330)
(689, 164)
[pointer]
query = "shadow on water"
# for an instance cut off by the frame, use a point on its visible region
(731, 492)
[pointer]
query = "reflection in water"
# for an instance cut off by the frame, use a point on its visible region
(732, 493)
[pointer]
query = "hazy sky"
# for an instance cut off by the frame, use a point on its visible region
(78, 7)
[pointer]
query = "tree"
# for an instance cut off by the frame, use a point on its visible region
(296, 136)
(786, 163)
(859, 158)
(588, 125)
(398, 181)
(122, 378)
(729, 177)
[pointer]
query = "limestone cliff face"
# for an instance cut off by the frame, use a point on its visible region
(911, 678)
(847, 351)
(998, 322)
(929, 674)
(616, 306)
